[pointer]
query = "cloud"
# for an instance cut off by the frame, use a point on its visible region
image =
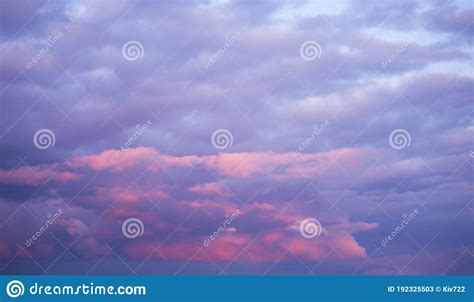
(37, 175)
(382, 67)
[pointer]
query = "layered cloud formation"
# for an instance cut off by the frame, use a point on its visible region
(221, 128)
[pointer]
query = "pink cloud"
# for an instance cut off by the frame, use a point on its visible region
(209, 189)
(73, 226)
(37, 175)
(261, 206)
(115, 158)
(126, 195)
(273, 237)
(270, 245)
(319, 248)
(5, 252)
(241, 165)
(122, 213)
(279, 229)
(245, 164)
(228, 207)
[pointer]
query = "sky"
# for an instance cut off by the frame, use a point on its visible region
(236, 137)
